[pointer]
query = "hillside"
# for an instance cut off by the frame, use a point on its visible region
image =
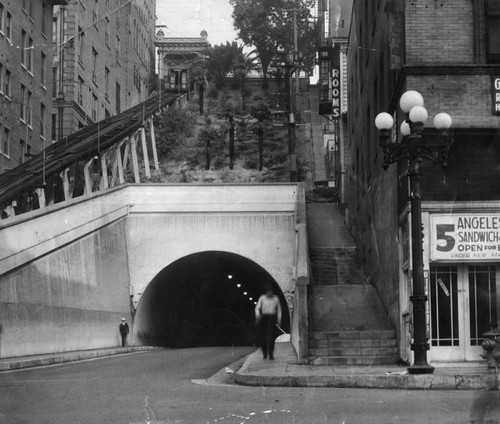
(194, 148)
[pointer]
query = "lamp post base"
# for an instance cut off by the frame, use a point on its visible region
(420, 369)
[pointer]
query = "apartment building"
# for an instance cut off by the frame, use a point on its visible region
(448, 51)
(104, 60)
(25, 85)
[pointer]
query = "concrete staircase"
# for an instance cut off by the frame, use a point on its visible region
(353, 348)
(347, 320)
(335, 266)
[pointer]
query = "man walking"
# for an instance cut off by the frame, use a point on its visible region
(267, 316)
(124, 330)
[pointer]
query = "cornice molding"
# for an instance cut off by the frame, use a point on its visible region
(425, 70)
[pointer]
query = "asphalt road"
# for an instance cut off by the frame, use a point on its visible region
(157, 388)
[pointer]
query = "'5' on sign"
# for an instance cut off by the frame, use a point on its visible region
(441, 235)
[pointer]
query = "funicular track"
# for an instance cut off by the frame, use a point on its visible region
(88, 143)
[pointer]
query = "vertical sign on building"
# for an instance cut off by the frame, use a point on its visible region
(335, 82)
(495, 92)
(329, 82)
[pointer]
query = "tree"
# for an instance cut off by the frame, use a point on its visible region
(268, 25)
(220, 61)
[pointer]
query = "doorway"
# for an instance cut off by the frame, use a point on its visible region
(463, 306)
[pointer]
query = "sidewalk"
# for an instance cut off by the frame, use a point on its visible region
(7, 364)
(284, 371)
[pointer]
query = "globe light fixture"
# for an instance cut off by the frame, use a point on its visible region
(413, 147)
(405, 128)
(410, 99)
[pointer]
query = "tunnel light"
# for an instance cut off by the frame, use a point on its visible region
(250, 298)
(229, 277)
(238, 285)
(245, 293)
(255, 303)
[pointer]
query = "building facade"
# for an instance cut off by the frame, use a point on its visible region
(334, 22)
(178, 58)
(449, 52)
(103, 61)
(25, 63)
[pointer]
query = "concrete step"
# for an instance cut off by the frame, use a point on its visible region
(337, 266)
(352, 343)
(351, 360)
(357, 336)
(356, 351)
(345, 308)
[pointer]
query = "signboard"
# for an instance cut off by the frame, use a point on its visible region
(335, 82)
(329, 81)
(495, 92)
(457, 237)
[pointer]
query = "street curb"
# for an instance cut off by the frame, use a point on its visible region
(405, 382)
(62, 357)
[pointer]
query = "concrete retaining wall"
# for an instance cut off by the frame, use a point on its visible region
(69, 299)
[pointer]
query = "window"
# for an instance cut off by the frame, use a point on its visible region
(492, 31)
(95, 105)
(26, 112)
(26, 51)
(28, 7)
(94, 65)
(118, 98)
(118, 49)
(42, 120)
(45, 17)
(106, 77)
(2, 18)
(6, 142)
(24, 102)
(24, 43)
(8, 26)
(81, 45)
(106, 32)
(6, 81)
(43, 67)
(81, 83)
(95, 14)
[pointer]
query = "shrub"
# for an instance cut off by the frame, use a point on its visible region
(172, 127)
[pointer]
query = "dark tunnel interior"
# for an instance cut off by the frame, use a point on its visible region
(205, 299)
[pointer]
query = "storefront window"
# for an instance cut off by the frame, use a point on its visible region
(443, 292)
(482, 298)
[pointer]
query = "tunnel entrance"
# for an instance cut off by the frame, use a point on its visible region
(205, 299)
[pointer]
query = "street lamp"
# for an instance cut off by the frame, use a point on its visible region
(414, 147)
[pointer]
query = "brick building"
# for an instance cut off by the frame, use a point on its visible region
(449, 51)
(25, 63)
(104, 60)
(334, 22)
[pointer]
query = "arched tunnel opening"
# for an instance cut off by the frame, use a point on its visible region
(205, 299)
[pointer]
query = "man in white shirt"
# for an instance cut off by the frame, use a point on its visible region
(267, 317)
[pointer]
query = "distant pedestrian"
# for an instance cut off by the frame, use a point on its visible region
(124, 330)
(267, 317)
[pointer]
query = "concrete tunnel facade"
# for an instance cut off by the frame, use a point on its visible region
(68, 273)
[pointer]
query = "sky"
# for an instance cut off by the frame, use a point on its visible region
(187, 18)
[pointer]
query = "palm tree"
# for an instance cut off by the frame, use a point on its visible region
(243, 64)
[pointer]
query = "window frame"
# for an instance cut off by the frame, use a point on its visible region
(491, 18)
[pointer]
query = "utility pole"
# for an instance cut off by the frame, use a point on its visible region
(296, 51)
